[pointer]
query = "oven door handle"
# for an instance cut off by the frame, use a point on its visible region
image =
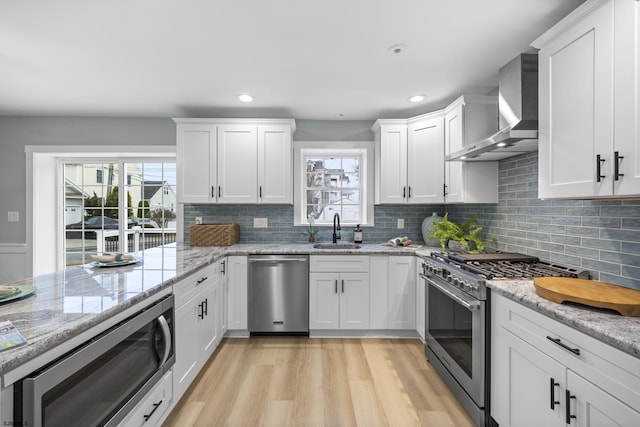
(166, 337)
(471, 305)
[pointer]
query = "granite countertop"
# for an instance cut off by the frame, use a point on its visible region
(76, 299)
(72, 301)
(619, 331)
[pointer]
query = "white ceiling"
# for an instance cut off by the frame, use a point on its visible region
(299, 58)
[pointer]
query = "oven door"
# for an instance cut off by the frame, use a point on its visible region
(100, 382)
(455, 333)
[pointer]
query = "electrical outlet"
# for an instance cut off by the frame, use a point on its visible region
(260, 223)
(13, 216)
(400, 222)
(198, 220)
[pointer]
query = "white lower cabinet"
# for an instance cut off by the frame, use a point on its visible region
(236, 272)
(393, 292)
(154, 408)
(421, 289)
(196, 324)
(338, 292)
(546, 373)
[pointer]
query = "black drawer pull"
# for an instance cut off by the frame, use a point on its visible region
(616, 165)
(202, 279)
(558, 341)
(155, 407)
(554, 402)
(599, 162)
(568, 416)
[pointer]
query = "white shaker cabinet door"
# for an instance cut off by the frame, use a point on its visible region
(576, 105)
(425, 161)
(324, 301)
(627, 98)
(196, 163)
(392, 179)
(237, 164)
(275, 173)
(354, 300)
(401, 293)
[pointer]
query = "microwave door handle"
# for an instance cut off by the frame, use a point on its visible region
(166, 337)
(469, 305)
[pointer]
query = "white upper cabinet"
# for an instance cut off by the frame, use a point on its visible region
(467, 120)
(589, 115)
(410, 160)
(237, 163)
(234, 161)
(275, 183)
(196, 162)
(425, 159)
(626, 121)
(391, 161)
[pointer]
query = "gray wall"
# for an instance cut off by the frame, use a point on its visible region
(18, 132)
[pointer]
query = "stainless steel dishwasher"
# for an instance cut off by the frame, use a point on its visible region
(279, 294)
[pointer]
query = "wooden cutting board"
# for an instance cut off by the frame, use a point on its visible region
(589, 292)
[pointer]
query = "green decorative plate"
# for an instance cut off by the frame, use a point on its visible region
(21, 291)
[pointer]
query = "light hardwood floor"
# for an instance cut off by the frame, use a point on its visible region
(298, 381)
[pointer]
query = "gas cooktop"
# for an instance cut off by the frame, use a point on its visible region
(505, 265)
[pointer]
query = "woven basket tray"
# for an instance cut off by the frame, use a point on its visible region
(214, 234)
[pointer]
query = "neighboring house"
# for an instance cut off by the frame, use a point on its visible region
(159, 194)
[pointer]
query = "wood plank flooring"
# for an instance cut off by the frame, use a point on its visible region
(298, 381)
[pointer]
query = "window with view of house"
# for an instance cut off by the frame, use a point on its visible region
(334, 180)
(98, 217)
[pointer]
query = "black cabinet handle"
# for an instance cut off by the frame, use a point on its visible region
(224, 267)
(554, 402)
(219, 191)
(599, 162)
(155, 407)
(260, 191)
(409, 191)
(343, 286)
(202, 279)
(201, 307)
(213, 192)
(205, 307)
(404, 192)
(336, 287)
(616, 165)
(567, 412)
(444, 189)
(558, 341)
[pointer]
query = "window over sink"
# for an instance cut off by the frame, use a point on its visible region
(334, 177)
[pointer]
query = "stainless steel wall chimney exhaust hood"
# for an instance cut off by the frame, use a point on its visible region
(518, 114)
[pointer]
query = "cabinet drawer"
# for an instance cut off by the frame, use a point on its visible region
(612, 369)
(186, 288)
(339, 263)
(150, 411)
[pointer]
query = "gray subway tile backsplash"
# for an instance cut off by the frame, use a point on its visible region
(602, 236)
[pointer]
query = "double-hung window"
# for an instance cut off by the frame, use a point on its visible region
(334, 180)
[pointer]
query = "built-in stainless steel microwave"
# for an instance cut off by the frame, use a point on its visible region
(100, 382)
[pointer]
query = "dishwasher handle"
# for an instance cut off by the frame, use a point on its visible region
(277, 259)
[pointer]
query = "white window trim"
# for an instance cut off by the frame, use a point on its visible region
(44, 178)
(301, 148)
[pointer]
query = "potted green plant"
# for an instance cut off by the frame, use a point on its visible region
(466, 234)
(311, 231)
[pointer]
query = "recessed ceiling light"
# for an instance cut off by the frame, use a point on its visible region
(397, 49)
(417, 98)
(502, 144)
(245, 97)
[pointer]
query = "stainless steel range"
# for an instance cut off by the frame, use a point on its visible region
(457, 322)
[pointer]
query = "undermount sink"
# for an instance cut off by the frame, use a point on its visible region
(336, 246)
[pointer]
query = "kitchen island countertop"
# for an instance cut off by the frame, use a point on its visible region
(77, 299)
